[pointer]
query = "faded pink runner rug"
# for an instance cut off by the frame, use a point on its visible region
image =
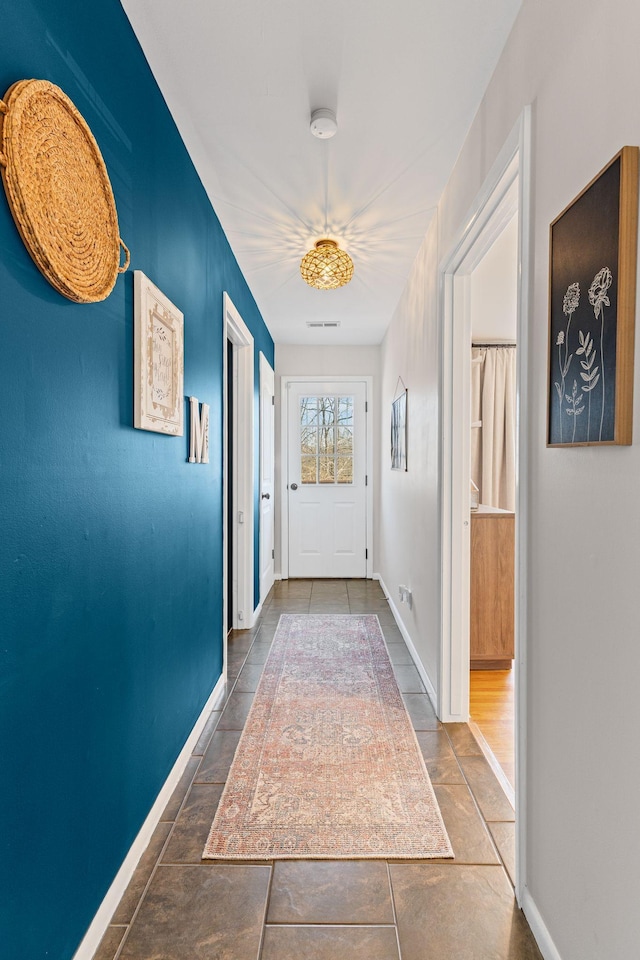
(328, 765)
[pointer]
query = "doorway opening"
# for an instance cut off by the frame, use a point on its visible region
(505, 194)
(493, 305)
(326, 445)
(267, 479)
(237, 472)
(229, 425)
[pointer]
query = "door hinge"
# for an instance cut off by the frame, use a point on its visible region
(366, 406)
(273, 401)
(366, 554)
(273, 554)
(366, 480)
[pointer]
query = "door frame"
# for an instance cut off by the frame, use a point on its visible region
(266, 373)
(506, 189)
(235, 329)
(285, 382)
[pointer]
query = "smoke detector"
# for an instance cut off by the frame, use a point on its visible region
(323, 124)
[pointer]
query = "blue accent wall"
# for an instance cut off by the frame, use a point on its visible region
(111, 543)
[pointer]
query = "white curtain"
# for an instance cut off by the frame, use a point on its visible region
(493, 425)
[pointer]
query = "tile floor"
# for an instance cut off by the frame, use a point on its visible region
(178, 907)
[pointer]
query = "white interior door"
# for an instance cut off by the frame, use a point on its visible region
(326, 479)
(267, 498)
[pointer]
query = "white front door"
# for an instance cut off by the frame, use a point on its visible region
(266, 478)
(326, 479)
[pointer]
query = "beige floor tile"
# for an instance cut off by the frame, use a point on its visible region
(486, 788)
(219, 756)
(259, 652)
(462, 740)
(110, 943)
(200, 913)
(207, 733)
(249, 678)
(467, 830)
(408, 678)
(504, 837)
(140, 878)
(439, 757)
(311, 892)
(466, 913)
(192, 827)
(178, 795)
(421, 711)
(330, 943)
(236, 711)
(399, 654)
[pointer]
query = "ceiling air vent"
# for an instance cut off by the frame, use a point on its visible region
(323, 323)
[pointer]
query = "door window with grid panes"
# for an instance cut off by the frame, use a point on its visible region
(326, 440)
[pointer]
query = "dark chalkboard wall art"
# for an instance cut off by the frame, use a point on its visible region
(593, 250)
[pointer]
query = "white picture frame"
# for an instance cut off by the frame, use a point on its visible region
(158, 360)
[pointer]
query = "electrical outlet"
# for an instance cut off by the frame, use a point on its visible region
(405, 595)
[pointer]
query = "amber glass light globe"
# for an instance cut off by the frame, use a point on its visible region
(326, 267)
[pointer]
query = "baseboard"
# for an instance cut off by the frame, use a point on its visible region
(256, 613)
(100, 922)
(539, 930)
(424, 676)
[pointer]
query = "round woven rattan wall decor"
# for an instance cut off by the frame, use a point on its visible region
(59, 191)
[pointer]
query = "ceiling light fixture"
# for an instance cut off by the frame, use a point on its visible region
(326, 267)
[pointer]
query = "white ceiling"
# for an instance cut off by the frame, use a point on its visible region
(405, 78)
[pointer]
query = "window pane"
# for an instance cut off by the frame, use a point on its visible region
(308, 470)
(327, 470)
(345, 441)
(309, 441)
(345, 469)
(326, 439)
(326, 410)
(308, 410)
(345, 411)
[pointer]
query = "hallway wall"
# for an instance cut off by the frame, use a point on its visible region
(577, 65)
(111, 544)
(409, 516)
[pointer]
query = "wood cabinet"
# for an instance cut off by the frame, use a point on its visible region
(492, 588)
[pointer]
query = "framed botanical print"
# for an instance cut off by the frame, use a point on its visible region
(593, 251)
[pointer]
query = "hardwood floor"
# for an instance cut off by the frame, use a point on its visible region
(491, 708)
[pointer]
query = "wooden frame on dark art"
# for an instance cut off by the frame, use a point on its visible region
(399, 432)
(592, 295)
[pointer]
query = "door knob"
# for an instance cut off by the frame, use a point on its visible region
(266, 496)
(293, 486)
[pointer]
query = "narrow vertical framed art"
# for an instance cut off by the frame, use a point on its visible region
(399, 432)
(158, 360)
(592, 295)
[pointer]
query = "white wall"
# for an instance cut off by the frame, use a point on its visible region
(324, 362)
(409, 546)
(576, 63)
(494, 289)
